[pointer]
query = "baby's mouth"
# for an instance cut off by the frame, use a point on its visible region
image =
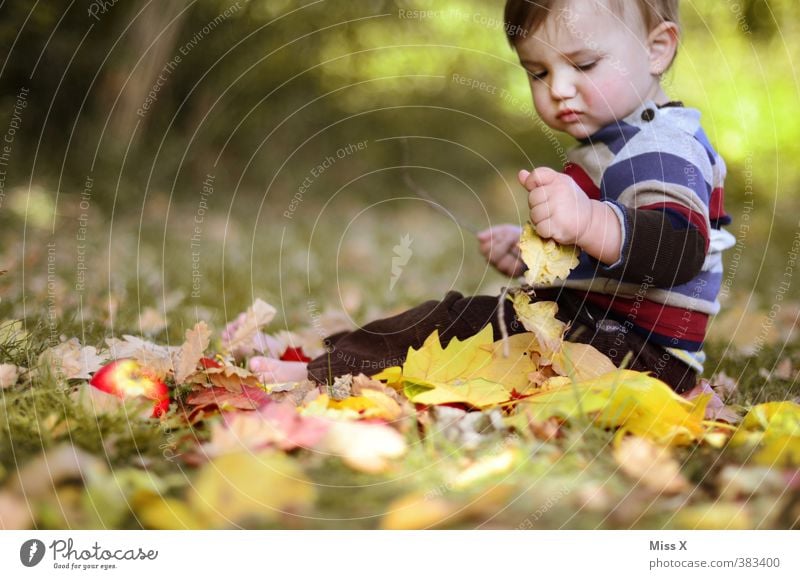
(568, 115)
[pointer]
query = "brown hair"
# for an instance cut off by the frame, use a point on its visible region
(526, 16)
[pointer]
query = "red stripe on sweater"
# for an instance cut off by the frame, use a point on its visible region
(583, 180)
(668, 321)
(716, 205)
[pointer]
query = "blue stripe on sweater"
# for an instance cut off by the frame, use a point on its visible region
(655, 166)
(614, 136)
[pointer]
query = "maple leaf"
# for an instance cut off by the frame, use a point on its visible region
(547, 261)
(463, 372)
(540, 318)
(197, 340)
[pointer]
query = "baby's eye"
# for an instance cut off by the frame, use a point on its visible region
(537, 75)
(586, 67)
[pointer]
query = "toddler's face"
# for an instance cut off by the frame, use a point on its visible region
(588, 67)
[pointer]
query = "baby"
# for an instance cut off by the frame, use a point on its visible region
(641, 196)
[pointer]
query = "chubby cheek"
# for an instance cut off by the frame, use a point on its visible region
(605, 97)
(542, 102)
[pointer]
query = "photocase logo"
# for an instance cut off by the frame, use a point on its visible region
(402, 253)
(31, 552)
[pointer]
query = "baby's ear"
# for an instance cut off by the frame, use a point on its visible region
(663, 45)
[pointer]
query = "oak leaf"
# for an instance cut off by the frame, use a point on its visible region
(197, 340)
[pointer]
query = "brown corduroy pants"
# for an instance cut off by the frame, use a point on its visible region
(384, 343)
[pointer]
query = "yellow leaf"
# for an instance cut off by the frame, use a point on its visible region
(371, 404)
(512, 371)
(633, 401)
(715, 516)
(486, 466)
(464, 371)
(393, 377)
(775, 428)
(547, 261)
(540, 318)
(236, 489)
(157, 512)
(581, 362)
(650, 465)
(460, 360)
(478, 392)
(418, 511)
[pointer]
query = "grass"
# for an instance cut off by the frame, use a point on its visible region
(139, 281)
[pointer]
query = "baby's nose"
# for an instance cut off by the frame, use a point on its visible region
(562, 86)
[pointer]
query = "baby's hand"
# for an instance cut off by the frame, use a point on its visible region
(559, 208)
(499, 247)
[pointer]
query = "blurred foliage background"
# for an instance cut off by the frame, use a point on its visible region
(130, 106)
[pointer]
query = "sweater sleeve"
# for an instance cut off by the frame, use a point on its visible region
(662, 200)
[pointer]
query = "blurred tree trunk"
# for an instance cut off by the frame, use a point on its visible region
(153, 35)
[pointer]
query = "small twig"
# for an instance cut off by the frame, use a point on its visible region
(427, 196)
(501, 320)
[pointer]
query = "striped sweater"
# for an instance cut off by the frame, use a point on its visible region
(658, 171)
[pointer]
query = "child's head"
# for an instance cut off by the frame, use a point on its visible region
(592, 62)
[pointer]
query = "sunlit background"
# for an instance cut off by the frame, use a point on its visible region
(184, 157)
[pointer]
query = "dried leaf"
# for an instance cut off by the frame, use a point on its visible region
(277, 425)
(14, 512)
(367, 447)
(230, 377)
(158, 359)
(40, 476)
(547, 261)
(716, 408)
(69, 361)
(249, 398)
(197, 340)
(650, 465)
(9, 374)
(246, 327)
